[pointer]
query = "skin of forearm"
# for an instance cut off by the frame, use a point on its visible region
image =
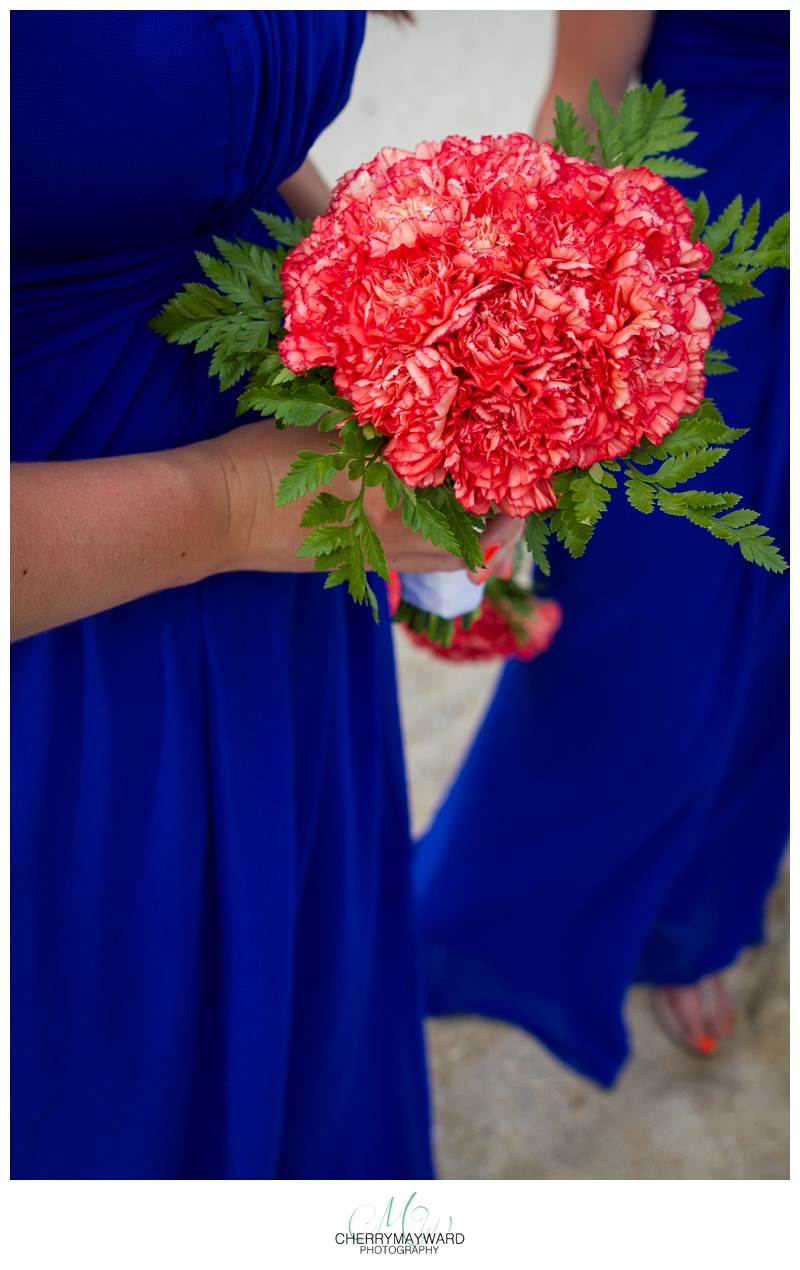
(87, 536)
(606, 43)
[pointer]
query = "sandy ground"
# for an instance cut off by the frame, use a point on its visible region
(505, 1108)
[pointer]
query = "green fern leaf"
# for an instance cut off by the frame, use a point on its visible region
(588, 499)
(640, 495)
(571, 138)
(288, 232)
(700, 210)
(307, 472)
(419, 516)
(326, 539)
(370, 543)
(718, 235)
(466, 528)
(776, 239)
(569, 530)
(702, 500)
(717, 363)
(673, 167)
(537, 533)
(392, 487)
(746, 233)
(683, 467)
(609, 129)
(326, 509)
(739, 518)
(732, 293)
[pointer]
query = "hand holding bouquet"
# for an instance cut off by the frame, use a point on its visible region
(495, 326)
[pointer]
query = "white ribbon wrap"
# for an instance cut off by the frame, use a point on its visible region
(447, 594)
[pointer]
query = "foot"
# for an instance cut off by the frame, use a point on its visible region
(697, 1016)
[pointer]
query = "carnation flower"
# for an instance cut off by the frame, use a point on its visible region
(503, 312)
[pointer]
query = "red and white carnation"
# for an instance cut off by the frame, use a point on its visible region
(503, 312)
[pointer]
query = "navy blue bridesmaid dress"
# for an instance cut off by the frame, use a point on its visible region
(624, 808)
(214, 970)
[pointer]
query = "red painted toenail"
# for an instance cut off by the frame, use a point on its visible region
(706, 1044)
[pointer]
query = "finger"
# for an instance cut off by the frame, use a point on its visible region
(502, 531)
(503, 562)
(405, 551)
(498, 543)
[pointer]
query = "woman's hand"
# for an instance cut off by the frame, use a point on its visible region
(89, 535)
(498, 542)
(256, 458)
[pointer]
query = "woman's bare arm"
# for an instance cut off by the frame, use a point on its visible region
(306, 192)
(86, 536)
(607, 43)
(89, 535)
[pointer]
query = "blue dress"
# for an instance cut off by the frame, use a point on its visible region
(214, 968)
(622, 813)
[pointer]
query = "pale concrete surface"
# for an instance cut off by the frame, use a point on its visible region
(505, 1108)
(465, 72)
(442, 705)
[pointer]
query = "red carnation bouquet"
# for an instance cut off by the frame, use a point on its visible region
(502, 313)
(495, 326)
